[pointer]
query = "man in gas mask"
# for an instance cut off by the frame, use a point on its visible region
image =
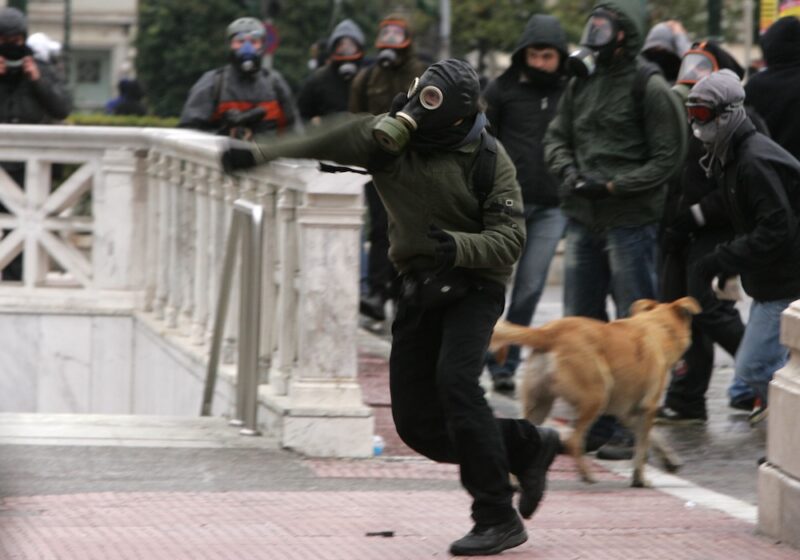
(372, 92)
(30, 93)
(664, 45)
(759, 196)
(614, 142)
(456, 230)
(521, 103)
(327, 90)
(241, 98)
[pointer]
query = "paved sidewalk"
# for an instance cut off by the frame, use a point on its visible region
(109, 488)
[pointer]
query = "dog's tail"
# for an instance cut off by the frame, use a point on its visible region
(506, 333)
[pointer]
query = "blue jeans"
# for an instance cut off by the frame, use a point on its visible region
(620, 262)
(545, 228)
(761, 353)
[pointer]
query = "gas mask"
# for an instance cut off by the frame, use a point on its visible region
(696, 64)
(447, 92)
(392, 37)
(597, 44)
(345, 56)
(247, 58)
(347, 70)
(14, 56)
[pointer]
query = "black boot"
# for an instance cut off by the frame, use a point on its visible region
(533, 480)
(372, 307)
(484, 540)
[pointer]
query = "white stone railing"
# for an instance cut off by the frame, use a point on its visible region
(150, 239)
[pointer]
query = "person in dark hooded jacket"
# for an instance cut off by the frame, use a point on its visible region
(759, 195)
(520, 105)
(664, 45)
(719, 321)
(327, 90)
(775, 92)
(443, 235)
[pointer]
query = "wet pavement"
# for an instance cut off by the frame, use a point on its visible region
(111, 488)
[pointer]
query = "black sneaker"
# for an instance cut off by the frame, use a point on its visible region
(533, 481)
(503, 383)
(372, 307)
(484, 540)
(618, 448)
(746, 403)
(667, 415)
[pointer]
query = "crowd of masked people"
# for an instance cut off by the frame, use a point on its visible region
(644, 151)
(641, 149)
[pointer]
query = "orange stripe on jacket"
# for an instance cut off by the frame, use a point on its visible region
(272, 110)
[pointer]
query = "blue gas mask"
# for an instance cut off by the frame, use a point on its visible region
(247, 58)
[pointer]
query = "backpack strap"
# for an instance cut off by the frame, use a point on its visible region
(644, 71)
(485, 165)
(219, 81)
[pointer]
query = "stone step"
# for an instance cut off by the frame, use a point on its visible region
(118, 430)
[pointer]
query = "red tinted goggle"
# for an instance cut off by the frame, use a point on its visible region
(701, 114)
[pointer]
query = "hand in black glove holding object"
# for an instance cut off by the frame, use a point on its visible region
(709, 266)
(569, 178)
(591, 187)
(237, 154)
(445, 249)
(398, 102)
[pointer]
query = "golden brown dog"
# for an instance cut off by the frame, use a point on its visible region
(619, 368)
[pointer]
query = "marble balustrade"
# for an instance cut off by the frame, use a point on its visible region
(139, 230)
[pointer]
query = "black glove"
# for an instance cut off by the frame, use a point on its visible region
(591, 187)
(569, 178)
(445, 249)
(679, 231)
(237, 154)
(398, 103)
(709, 266)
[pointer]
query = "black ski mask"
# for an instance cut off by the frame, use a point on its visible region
(539, 77)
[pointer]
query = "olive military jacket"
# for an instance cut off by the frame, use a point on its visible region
(424, 189)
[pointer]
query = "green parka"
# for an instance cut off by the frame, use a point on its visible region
(423, 189)
(601, 129)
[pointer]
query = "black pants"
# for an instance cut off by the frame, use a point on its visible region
(439, 407)
(381, 274)
(719, 322)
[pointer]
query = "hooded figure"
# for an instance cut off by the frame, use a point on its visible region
(455, 251)
(327, 89)
(775, 92)
(665, 47)
(759, 195)
(520, 105)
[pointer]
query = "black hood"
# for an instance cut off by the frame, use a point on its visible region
(781, 42)
(724, 58)
(541, 30)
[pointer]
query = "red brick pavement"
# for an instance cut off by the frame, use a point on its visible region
(610, 524)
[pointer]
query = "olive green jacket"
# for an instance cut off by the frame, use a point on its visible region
(601, 129)
(424, 189)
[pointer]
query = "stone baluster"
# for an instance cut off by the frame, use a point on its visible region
(174, 177)
(163, 251)
(229, 342)
(265, 196)
(779, 477)
(37, 187)
(152, 231)
(187, 242)
(216, 243)
(201, 270)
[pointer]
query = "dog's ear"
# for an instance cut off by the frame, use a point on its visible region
(688, 306)
(641, 305)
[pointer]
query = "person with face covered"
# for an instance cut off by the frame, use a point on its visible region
(775, 92)
(455, 249)
(327, 90)
(521, 103)
(242, 98)
(372, 91)
(30, 91)
(719, 321)
(614, 149)
(758, 194)
(664, 46)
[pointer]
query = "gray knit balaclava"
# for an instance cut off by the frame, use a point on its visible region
(721, 90)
